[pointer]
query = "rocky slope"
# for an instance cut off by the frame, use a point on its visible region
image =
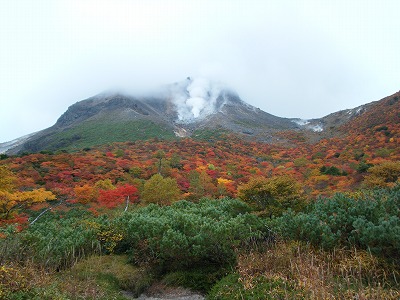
(179, 110)
(194, 107)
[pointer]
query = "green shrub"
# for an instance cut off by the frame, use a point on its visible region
(53, 242)
(363, 167)
(186, 235)
(371, 222)
(332, 171)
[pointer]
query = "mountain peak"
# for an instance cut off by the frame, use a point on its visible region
(197, 98)
(196, 107)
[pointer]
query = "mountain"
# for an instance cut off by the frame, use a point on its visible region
(194, 107)
(15, 143)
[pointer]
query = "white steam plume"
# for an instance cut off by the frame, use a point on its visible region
(195, 99)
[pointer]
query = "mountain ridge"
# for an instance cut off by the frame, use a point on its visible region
(184, 109)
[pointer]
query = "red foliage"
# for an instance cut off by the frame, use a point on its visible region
(370, 138)
(183, 184)
(109, 154)
(117, 196)
(21, 220)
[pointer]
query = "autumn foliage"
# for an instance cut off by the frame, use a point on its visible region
(12, 199)
(117, 196)
(363, 153)
(194, 169)
(310, 217)
(273, 195)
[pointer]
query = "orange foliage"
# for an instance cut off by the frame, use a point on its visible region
(219, 166)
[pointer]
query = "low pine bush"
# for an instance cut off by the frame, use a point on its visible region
(370, 221)
(55, 242)
(186, 234)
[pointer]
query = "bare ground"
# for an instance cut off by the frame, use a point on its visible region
(160, 291)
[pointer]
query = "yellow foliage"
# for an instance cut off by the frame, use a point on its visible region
(10, 201)
(386, 174)
(320, 178)
(105, 185)
(7, 179)
(274, 194)
(314, 172)
(357, 195)
(109, 238)
(11, 281)
(159, 190)
(223, 181)
(34, 196)
(85, 194)
(201, 168)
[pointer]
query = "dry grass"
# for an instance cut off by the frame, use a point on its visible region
(340, 274)
(23, 279)
(98, 277)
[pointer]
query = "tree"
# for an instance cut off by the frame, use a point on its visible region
(159, 155)
(7, 179)
(385, 174)
(201, 185)
(135, 171)
(85, 193)
(105, 184)
(112, 198)
(332, 170)
(12, 200)
(175, 161)
(272, 195)
(159, 190)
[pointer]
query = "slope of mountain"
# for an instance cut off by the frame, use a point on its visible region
(385, 112)
(15, 143)
(98, 120)
(358, 120)
(194, 107)
(182, 109)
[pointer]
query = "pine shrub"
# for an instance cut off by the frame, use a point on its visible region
(370, 222)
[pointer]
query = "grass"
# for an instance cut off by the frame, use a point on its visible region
(92, 133)
(200, 279)
(292, 270)
(284, 270)
(98, 277)
(246, 123)
(27, 281)
(208, 134)
(104, 277)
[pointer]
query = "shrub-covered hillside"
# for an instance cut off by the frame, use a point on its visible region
(339, 247)
(227, 218)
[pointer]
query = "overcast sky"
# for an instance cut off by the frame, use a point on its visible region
(295, 58)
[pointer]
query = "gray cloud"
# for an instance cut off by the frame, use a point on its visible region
(290, 58)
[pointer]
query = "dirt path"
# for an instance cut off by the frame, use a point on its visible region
(161, 292)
